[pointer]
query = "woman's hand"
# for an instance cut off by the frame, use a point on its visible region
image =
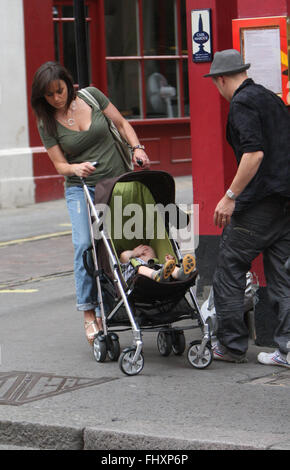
(140, 158)
(83, 170)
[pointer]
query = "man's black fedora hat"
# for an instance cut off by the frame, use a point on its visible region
(227, 62)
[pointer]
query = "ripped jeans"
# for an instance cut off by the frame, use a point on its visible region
(263, 228)
(86, 289)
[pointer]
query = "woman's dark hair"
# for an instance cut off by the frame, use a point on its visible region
(47, 73)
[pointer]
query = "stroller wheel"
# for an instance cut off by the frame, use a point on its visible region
(164, 343)
(178, 343)
(113, 347)
(126, 362)
(100, 349)
(194, 357)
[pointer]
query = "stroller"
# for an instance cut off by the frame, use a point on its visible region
(140, 304)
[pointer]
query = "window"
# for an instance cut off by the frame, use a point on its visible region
(146, 56)
(64, 36)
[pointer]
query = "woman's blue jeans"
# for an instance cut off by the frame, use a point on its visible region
(86, 289)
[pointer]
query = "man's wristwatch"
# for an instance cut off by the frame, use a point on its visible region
(231, 195)
(142, 147)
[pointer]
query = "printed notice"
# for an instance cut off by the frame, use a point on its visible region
(262, 51)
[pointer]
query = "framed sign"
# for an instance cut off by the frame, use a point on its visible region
(263, 42)
(201, 35)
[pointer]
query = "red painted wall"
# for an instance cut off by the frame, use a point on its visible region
(168, 145)
(98, 45)
(259, 8)
(39, 48)
(212, 161)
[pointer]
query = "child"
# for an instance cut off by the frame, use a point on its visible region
(142, 254)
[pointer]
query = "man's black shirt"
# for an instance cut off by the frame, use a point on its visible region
(259, 121)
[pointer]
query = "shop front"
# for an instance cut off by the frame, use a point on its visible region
(137, 56)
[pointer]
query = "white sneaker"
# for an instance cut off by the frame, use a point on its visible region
(273, 359)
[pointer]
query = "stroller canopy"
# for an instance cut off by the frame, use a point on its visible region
(160, 184)
(150, 197)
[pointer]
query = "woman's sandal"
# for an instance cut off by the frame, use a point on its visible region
(164, 273)
(91, 336)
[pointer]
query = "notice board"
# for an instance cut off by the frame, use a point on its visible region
(265, 44)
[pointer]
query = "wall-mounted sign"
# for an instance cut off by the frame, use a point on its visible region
(264, 43)
(201, 35)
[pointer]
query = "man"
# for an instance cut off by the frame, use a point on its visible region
(255, 209)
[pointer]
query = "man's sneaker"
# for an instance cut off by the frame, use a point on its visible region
(275, 358)
(221, 354)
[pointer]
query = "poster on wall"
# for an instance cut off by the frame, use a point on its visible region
(201, 34)
(264, 43)
(262, 50)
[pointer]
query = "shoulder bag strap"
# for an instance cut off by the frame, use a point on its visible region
(90, 98)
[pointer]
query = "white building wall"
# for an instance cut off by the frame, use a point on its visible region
(16, 171)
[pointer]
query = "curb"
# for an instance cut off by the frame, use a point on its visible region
(39, 436)
(95, 439)
(36, 436)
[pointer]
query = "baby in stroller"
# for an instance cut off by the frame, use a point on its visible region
(143, 259)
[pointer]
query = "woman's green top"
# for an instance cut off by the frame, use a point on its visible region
(94, 144)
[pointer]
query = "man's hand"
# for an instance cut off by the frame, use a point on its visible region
(247, 169)
(223, 211)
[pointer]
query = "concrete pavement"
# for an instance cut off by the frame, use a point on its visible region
(54, 395)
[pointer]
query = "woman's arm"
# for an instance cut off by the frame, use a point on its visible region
(64, 168)
(127, 132)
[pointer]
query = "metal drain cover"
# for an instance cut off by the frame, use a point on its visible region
(18, 388)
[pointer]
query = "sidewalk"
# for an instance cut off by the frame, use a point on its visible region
(54, 395)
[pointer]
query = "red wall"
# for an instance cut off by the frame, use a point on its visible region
(39, 48)
(168, 145)
(212, 161)
(259, 8)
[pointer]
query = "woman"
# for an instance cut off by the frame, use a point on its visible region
(75, 134)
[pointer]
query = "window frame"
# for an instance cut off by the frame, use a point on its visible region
(60, 20)
(179, 58)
